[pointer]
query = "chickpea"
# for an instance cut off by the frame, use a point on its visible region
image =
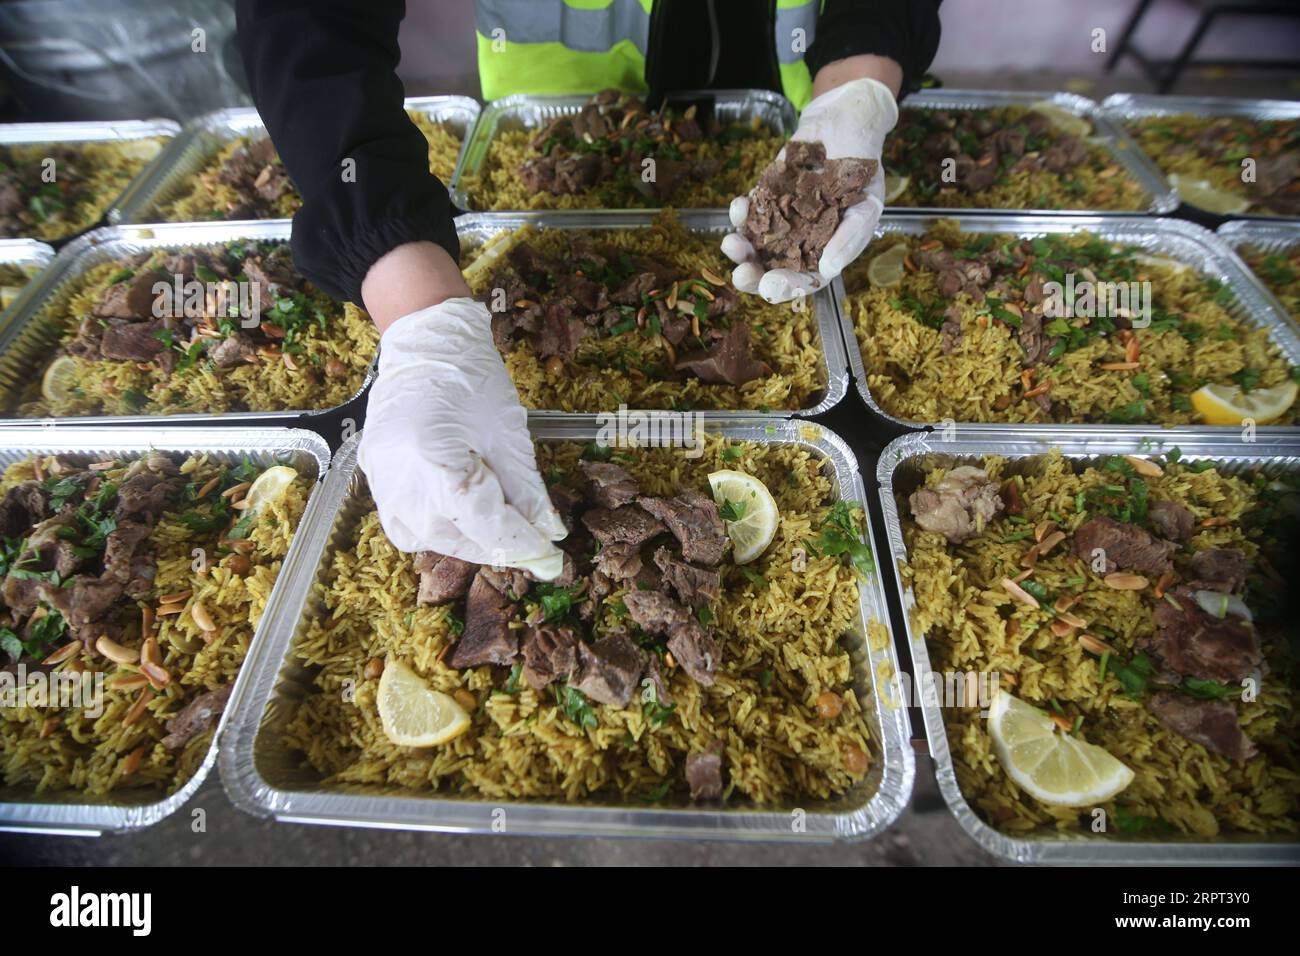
(335, 369)
(855, 760)
(829, 705)
(554, 365)
(465, 699)
(238, 564)
(374, 668)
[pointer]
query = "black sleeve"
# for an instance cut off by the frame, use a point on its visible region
(906, 31)
(322, 73)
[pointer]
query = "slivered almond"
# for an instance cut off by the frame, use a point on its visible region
(47, 726)
(930, 246)
(101, 465)
(132, 762)
(1019, 593)
(1063, 722)
(1039, 390)
(670, 661)
(1095, 645)
(208, 486)
(695, 326)
(38, 470)
(288, 361)
(127, 680)
(1065, 602)
(156, 674)
(1051, 541)
(71, 649)
(238, 489)
(1022, 575)
(138, 708)
(202, 617)
(115, 652)
(1216, 521)
(1125, 582)
(712, 278)
(1166, 579)
(150, 653)
(1029, 558)
(1042, 528)
(707, 293)
(1118, 366)
(1133, 350)
(177, 597)
(1062, 628)
(672, 296)
(169, 609)
(1009, 679)
(1144, 466)
(146, 620)
(1069, 617)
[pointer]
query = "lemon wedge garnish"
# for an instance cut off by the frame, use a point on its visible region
(60, 379)
(1063, 119)
(270, 485)
(1049, 765)
(1162, 262)
(753, 509)
(1229, 405)
(895, 186)
(886, 269)
(412, 713)
(1205, 195)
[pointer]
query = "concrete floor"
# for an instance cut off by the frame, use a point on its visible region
(926, 834)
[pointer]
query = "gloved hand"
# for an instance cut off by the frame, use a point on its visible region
(850, 121)
(446, 448)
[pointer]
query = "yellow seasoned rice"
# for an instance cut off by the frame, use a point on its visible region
(781, 643)
(970, 623)
(1280, 271)
(92, 755)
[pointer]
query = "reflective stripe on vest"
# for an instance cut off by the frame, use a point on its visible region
(582, 46)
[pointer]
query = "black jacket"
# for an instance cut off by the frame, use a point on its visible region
(323, 76)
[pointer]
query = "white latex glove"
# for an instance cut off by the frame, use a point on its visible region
(446, 448)
(851, 121)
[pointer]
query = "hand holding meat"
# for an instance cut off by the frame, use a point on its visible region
(816, 207)
(446, 448)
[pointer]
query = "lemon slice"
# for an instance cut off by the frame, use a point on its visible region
(758, 516)
(1063, 119)
(886, 269)
(1229, 405)
(413, 714)
(269, 486)
(140, 148)
(60, 379)
(895, 186)
(1049, 765)
(1207, 196)
(1163, 262)
(8, 294)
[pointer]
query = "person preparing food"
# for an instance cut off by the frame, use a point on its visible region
(446, 448)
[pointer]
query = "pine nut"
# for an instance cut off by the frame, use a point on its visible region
(1125, 582)
(115, 652)
(157, 676)
(1145, 467)
(1095, 645)
(127, 681)
(71, 649)
(202, 618)
(138, 708)
(374, 668)
(1019, 593)
(150, 653)
(236, 489)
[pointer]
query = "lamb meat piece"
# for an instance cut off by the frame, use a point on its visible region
(83, 602)
(725, 298)
(488, 638)
(669, 174)
(550, 654)
(693, 519)
(590, 296)
(560, 331)
(950, 332)
(695, 586)
(694, 648)
(1008, 141)
(132, 341)
(1188, 642)
(273, 272)
(567, 502)
(1124, 546)
(196, 717)
(608, 670)
(509, 581)
(576, 172)
(1066, 153)
(120, 550)
(657, 680)
(625, 525)
(631, 290)
(976, 175)
(1171, 520)
(655, 612)
(1036, 343)
(21, 594)
(1211, 723)
(23, 505)
(704, 775)
(620, 562)
(1219, 569)
(442, 577)
(66, 560)
(590, 123)
(610, 484)
(131, 298)
(1276, 173)
(960, 506)
(143, 495)
(726, 360)
(1034, 292)
(234, 349)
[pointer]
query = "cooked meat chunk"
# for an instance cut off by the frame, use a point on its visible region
(625, 525)
(132, 342)
(611, 486)
(443, 578)
(1123, 545)
(608, 670)
(726, 360)
(620, 562)
(567, 502)
(196, 717)
(798, 203)
(143, 496)
(704, 775)
(21, 594)
(24, 504)
(658, 681)
(83, 602)
(960, 506)
(125, 561)
(550, 654)
(1219, 569)
(511, 582)
(488, 638)
(1191, 643)
(233, 350)
(693, 519)
(1171, 520)
(695, 586)
(1210, 723)
(560, 332)
(655, 612)
(132, 298)
(694, 648)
